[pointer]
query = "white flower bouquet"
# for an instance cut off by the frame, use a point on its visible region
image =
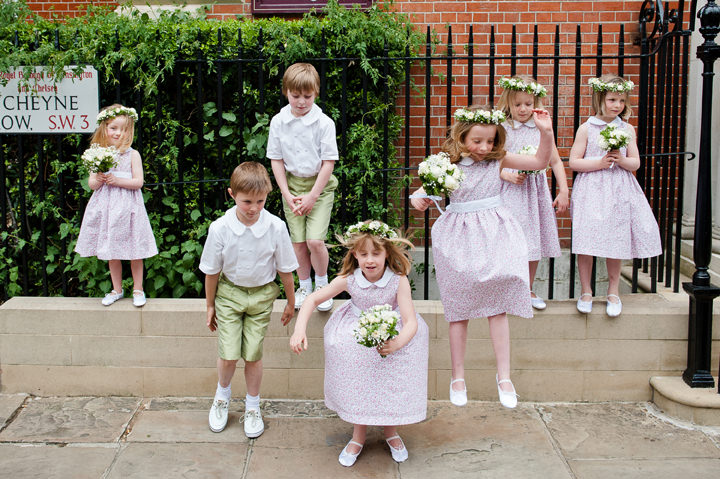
(613, 138)
(439, 176)
(531, 151)
(99, 159)
(376, 326)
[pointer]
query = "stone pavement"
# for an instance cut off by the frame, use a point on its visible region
(126, 437)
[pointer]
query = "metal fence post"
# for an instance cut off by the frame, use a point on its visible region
(701, 292)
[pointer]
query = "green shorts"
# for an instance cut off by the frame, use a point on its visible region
(315, 224)
(243, 315)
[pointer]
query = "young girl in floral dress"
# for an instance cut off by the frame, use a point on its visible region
(363, 387)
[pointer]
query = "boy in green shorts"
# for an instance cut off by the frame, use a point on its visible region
(245, 249)
(302, 147)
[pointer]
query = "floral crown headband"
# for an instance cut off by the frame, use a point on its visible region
(375, 228)
(518, 85)
(119, 111)
(494, 117)
(599, 86)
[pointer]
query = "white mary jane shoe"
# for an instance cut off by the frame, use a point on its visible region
(458, 398)
(507, 399)
(111, 297)
(346, 458)
(398, 455)
(584, 306)
(538, 302)
(613, 309)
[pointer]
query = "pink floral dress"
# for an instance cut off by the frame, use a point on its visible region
(611, 217)
(531, 202)
(480, 252)
(360, 385)
(115, 224)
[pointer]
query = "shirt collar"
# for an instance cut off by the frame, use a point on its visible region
(598, 122)
(466, 161)
(258, 229)
(516, 125)
(364, 283)
(307, 119)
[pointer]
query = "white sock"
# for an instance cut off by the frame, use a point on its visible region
(307, 284)
(252, 402)
(223, 393)
(321, 281)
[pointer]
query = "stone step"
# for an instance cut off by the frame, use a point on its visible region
(75, 346)
(687, 265)
(687, 268)
(697, 405)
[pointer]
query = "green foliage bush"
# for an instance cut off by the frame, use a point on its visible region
(170, 67)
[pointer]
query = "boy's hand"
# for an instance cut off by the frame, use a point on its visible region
(304, 204)
(561, 202)
(298, 342)
(211, 318)
(288, 314)
(420, 204)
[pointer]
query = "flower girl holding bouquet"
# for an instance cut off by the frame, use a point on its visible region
(611, 217)
(478, 246)
(376, 346)
(115, 225)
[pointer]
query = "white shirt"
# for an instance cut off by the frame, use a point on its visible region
(304, 142)
(248, 256)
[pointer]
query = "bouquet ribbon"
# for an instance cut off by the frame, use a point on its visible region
(434, 198)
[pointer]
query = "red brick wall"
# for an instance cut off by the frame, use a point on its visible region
(503, 14)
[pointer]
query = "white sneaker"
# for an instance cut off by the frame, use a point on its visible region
(537, 302)
(254, 425)
(398, 455)
(300, 295)
(325, 305)
(458, 398)
(111, 297)
(584, 306)
(613, 309)
(139, 298)
(218, 415)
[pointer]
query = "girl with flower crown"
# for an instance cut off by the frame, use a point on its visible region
(115, 225)
(611, 217)
(526, 192)
(363, 387)
(478, 246)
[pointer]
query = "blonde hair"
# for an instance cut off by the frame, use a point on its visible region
(598, 97)
(507, 97)
(301, 77)
(396, 249)
(250, 177)
(455, 143)
(128, 135)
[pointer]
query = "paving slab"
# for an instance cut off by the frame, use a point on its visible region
(184, 427)
(88, 420)
(483, 440)
(621, 431)
(202, 461)
(649, 468)
(53, 462)
(9, 403)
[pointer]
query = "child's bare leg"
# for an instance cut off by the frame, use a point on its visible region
(613, 269)
(500, 336)
(319, 257)
(303, 257)
(457, 333)
(253, 376)
(533, 266)
(136, 266)
(226, 370)
(584, 262)
(391, 431)
(359, 431)
(115, 267)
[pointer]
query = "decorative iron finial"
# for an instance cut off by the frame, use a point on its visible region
(709, 16)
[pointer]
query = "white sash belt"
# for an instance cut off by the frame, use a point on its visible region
(477, 205)
(122, 174)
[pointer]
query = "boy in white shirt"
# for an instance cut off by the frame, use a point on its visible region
(245, 249)
(302, 147)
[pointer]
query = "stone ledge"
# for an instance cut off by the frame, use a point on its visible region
(677, 399)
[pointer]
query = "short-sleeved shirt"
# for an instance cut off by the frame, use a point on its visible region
(248, 256)
(304, 142)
